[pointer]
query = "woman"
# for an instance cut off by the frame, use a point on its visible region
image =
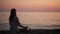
(13, 21)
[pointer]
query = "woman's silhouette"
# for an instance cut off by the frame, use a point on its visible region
(13, 21)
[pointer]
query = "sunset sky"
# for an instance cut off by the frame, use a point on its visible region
(29, 4)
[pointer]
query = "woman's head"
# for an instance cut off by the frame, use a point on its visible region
(13, 12)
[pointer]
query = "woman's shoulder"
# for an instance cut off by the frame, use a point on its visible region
(15, 17)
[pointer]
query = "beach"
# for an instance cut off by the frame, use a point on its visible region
(34, 31)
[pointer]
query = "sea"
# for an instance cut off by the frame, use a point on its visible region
(32, 19)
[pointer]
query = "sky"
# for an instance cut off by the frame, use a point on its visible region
(29, 4)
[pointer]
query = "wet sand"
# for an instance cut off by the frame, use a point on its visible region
(35, 31)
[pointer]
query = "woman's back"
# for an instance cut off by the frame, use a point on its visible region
(13, 22)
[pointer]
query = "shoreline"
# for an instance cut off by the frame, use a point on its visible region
(6, 26)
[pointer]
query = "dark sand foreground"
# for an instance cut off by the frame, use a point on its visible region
(35, 31)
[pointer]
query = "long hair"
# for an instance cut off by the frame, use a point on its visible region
(12, 14)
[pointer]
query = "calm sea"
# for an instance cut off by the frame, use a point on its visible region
(33, 19)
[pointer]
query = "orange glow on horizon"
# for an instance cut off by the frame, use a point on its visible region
(29, 4)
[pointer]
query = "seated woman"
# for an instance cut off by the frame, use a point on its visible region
(14, 22)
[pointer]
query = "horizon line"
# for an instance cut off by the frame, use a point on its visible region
(32, 10)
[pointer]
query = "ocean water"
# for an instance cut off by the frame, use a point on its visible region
(33, 19)
(5, 26)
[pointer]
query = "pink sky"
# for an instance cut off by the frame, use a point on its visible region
(30, 4)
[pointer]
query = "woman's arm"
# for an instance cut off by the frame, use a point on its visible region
(18, 23)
